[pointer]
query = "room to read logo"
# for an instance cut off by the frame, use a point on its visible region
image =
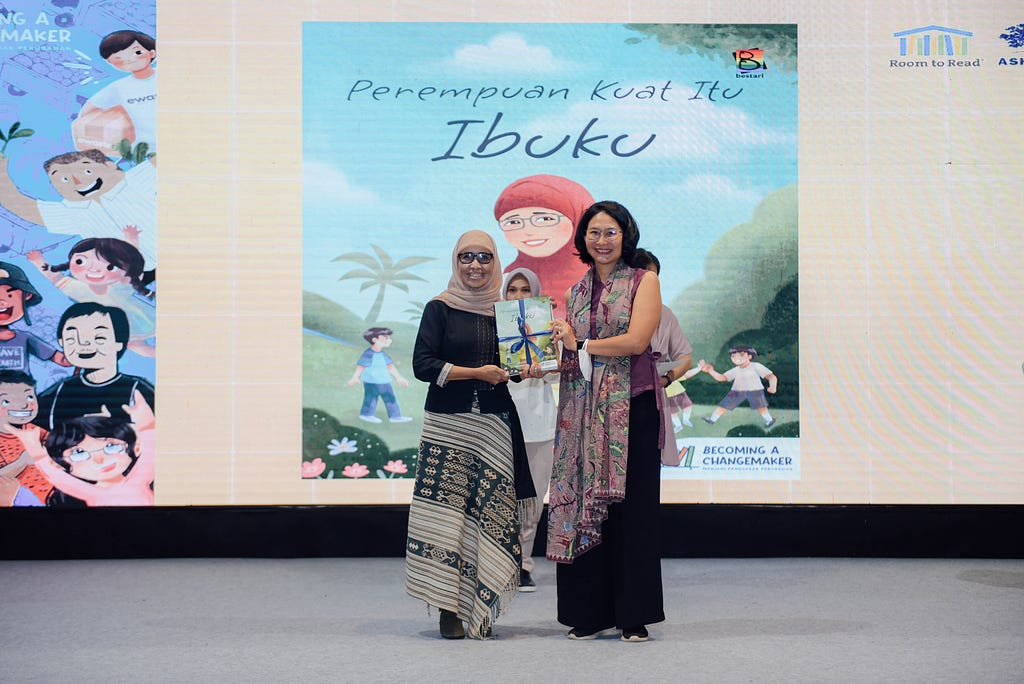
(1014, 37)
(933, 46)
(750, 63)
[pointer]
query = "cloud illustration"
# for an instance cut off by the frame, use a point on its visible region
(324, 184)
(506, 52)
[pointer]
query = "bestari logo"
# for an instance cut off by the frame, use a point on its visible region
(1014, 37)
(933, 46)
(750, 63)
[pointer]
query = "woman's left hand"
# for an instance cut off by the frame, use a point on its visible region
(562, 332)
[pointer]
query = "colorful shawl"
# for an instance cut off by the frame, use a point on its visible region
(591, 447)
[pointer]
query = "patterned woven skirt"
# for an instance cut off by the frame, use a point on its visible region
(463, 550)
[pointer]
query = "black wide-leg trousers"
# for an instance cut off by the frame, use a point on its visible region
(618, 582)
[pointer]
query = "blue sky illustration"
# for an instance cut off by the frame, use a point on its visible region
(369, 178)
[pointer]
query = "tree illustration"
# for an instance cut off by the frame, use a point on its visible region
(717, 41)
(415, 310)
(381, 271)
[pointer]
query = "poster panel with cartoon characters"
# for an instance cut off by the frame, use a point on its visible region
(415, 133)
(78, 254)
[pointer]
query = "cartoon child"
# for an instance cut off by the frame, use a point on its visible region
(106, 271)
(16, 296)
(100, 460)
(746, 379)
(376, 369)
(99, 200)
(18, 406)
(680, 404)
(126, 107)
(93, 337)
(538, 215)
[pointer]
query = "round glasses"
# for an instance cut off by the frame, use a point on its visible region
(78, 454)
(539, 219)
(609, 234)
(482, 257)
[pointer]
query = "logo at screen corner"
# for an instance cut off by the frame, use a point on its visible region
(1014, 37)
(933, 46)
(686, 457)
(750, 63)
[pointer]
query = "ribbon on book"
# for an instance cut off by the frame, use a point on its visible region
(523, 340)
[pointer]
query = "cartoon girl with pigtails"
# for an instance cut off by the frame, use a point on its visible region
(107, 271)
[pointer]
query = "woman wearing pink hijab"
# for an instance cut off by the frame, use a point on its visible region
(472, 478)
(538, 215)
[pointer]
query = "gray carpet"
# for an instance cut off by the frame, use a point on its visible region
(348, 620)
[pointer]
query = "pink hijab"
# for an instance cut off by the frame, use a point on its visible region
(559, 194)
(478, 300)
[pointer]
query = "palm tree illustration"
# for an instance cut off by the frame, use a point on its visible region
(381, 271)
(415, 310)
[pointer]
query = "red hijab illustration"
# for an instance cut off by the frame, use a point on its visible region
(538, 215)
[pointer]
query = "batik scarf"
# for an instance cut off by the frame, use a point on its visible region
(591, 446)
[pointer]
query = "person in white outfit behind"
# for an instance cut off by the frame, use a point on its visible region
(535, 403)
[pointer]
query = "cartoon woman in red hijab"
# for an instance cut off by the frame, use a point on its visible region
(537, 215)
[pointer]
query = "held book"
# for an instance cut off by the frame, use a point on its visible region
(524, 333)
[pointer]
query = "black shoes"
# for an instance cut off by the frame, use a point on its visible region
(635, 634)
(631, 634)
(451, 625)
(582, 634)
(526, 583)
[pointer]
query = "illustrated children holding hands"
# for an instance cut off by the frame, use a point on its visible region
(101, 460)
(375, 368)
(746, 378)
(680, 404)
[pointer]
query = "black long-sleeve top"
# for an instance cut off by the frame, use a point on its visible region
(460, 338)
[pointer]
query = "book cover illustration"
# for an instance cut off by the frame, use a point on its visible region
(524, 333)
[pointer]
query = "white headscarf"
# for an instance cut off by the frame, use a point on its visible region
(530, 276)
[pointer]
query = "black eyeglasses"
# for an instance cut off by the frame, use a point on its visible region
(482, 257)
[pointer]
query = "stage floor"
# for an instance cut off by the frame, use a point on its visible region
(348, 620)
